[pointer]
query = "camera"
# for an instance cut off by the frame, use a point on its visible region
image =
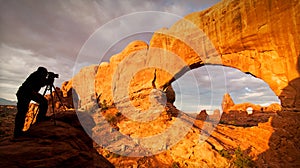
(52, 75)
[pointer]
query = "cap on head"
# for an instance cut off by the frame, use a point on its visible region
(42, 70)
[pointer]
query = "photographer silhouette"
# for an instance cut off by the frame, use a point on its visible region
(30, 91)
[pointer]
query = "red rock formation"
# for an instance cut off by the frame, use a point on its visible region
(253, 139)
(202, 115)
(273, 108)
(104, 75)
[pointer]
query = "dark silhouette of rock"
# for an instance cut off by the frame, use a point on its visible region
(202, 115)
(65, 144)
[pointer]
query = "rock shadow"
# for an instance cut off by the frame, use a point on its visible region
(284, 146)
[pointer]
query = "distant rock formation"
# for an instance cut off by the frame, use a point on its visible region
(7, 102)
(227, 102)
(274, 107)
(229, 106)
(202, 115)
(65, 144)
(237, 114)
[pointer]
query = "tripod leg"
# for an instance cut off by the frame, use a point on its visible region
(58, 97)
(47, 88)
(53, 109)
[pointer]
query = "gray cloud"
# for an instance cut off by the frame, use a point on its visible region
(51, 33)
(59, 28)
(16, 64)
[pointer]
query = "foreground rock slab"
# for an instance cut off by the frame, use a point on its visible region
(47, 145)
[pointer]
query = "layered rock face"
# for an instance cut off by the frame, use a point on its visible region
(81, 88)
(105, 73)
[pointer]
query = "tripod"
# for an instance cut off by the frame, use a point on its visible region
(49, 87)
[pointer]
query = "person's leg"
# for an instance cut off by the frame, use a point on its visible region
(22, 107)
(43, 106)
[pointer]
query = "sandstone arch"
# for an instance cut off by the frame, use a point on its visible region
(257, 37)
(260, 37)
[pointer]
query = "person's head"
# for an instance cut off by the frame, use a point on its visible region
(43, 71)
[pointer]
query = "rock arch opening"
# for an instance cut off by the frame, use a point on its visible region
(214, 82)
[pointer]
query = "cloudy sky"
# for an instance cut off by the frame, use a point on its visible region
(211, 82)
(56, 34)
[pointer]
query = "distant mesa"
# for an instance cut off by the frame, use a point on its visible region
(229, 106)
(7, 102)
(246, 114)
